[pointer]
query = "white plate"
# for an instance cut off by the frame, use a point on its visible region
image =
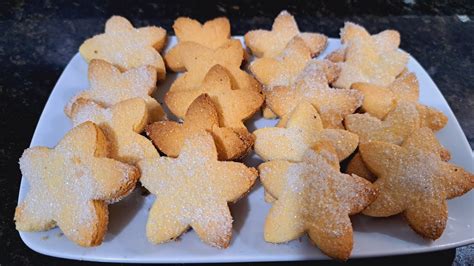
(126, 242)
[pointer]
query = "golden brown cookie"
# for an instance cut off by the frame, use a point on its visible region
(313, 196)
(369, 59)
(127, 47)
(264, 43)
(212, 34)
(192, 191)
(301, 131)
(122, 124)
(202, 114)
(414, 182)
(198, 60)
(109, 86)
(234, 106)
(312, 86)
(71, 185)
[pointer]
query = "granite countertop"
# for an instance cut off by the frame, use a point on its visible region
(38, 39)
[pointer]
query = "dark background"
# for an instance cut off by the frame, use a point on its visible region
(37, 40)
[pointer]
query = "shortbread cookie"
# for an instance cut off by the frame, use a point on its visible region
(282, 69)
(312, 86)
(234, 106)
(264, 43)
(192, 191)
(212, 34)
(201, 115)
(71, 185)
(313, 196)
(414, 182)
(122, 124)
(127, 47)
(108, 86)
(369, 60)
(301, 131)
(198, 60)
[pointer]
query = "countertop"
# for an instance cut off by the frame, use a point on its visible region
(38, 39)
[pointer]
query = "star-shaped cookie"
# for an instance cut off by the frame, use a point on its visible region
(192, 191)
(198, 60)
(212, 34)
(301, 131)
(313, 196)
(202, 114)
(414, 182)
(71, 184)
(122, 124)
(127, 47)
(264, 43)
(109, 86)
(282, 69)
(367, 60)
(234, 106)
(312, 86)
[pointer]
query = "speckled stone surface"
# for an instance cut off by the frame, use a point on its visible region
(38, 39)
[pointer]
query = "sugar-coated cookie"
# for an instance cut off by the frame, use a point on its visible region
(71, 185)
(109, 86)
(282, 69)
(367, 59)
(313, 196)
(198, 60)
(312, 86)
(202, 114)
(233, 105)
(122, 124)
(414, 182)
(192, 191)
(301, 131)
(264, 43)
(212, 34)
(127, 47)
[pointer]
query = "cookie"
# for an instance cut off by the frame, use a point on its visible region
(414, 182)
(282, 69)
(71, 186)
(198, 60)
(302, 130)
(367, 59)
(122, 124)
(312, 86)
(313, 196)
(192, 191)
(109, 86)
(127, 47)
(212, 34)
(264, 43)
(233, 105)
(202, 115)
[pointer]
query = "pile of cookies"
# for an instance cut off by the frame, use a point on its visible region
(359, 104)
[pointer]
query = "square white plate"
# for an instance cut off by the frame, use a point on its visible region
(126, 241)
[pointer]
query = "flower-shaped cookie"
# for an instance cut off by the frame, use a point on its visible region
(312, 86)
(122, 124)
(212, 34)
(109, 86)
(264, 43)
(301, 131)
(127, 47)
(369, 60)
(313, 196)
(414, 182)
(234, 106)
(192, 191)
(71, 184)
(169, 136)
